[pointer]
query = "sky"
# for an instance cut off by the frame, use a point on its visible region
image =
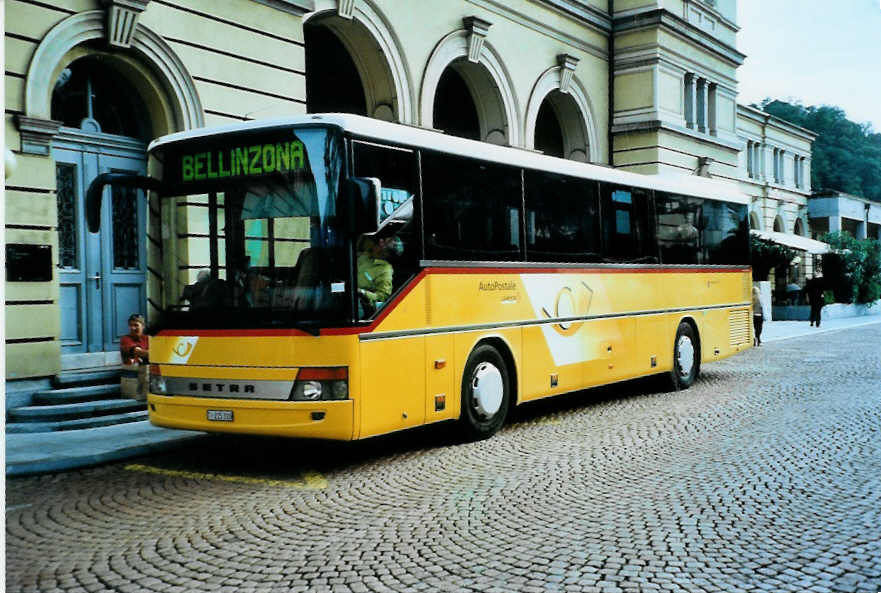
(819, 52)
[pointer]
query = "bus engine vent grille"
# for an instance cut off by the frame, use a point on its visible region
(738, 327)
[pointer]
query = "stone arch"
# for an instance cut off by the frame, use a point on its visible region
(152, 66)
(376, 51)
(779, 224)
(573, 110)
(487, 79)
(754, 221)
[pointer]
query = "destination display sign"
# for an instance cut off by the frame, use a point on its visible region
(243, 161)
(213, 163)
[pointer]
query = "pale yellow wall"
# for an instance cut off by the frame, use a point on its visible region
(527, 36)
(230, 88)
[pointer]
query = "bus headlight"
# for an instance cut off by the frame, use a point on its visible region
(157, 381)
(307, 391)
(321, 384)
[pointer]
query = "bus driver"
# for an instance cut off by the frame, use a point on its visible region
(374, 270)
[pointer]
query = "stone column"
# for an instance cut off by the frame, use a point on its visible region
(689, 100)
(701, 105)
(711, 108)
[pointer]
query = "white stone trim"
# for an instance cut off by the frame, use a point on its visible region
(368, 16)
(452, 47)
(85, 26)
(549, 81)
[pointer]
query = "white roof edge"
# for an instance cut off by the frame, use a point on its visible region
(422, 138)
(796, 241)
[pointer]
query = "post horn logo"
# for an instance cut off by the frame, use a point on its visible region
(570, 303)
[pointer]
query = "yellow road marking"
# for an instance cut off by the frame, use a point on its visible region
(311, 480)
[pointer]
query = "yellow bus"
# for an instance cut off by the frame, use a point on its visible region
(514, 276)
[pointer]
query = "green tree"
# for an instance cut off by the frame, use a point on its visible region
(846, 156)
(853, 270)
(767, 255)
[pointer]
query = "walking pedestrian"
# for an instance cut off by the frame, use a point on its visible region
(814, 288)
(758, 317)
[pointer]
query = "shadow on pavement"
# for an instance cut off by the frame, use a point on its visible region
(280, 458)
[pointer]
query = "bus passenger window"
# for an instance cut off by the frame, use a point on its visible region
(627, 227)
(472, 209)
(562, 218)
(680, 220)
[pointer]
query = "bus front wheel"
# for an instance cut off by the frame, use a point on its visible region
(686, 357)
(486, 393)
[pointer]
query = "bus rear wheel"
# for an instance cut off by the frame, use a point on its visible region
(486, 393)
(686, 357)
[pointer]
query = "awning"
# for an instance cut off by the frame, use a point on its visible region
(794, 241)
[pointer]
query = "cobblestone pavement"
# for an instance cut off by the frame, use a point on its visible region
(766, 475)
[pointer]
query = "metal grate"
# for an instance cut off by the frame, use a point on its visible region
(125, 228)
(738, 327)
(65, 176)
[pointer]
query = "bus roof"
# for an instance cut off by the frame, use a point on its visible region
(394, 133)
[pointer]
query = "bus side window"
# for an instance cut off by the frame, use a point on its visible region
(562, 218)
(627, 228)
(397, 171)
(472, 209)
(680, 222)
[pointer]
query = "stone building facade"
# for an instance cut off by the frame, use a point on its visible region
(645, 85)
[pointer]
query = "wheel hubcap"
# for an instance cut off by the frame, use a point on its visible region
(488, 389)
(685, 356)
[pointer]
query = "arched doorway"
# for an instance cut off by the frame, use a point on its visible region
(490, 92)
(467, 103)
(548, 132)
(332, 80)
(353, 65)
(102, 277)
(558, 118)
(456, 114)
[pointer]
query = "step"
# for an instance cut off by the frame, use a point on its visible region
(76, 394)
(29, 454)
(72, 411)
(79, 423)
(86, 377)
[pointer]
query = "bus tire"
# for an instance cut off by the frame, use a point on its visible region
(686, 357)
(486, 394)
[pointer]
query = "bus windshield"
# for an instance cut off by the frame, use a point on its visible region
(258, 242)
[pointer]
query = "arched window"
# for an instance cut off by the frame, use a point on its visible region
(778, 225)
(91, 96)
(754, 221)
(799, 227)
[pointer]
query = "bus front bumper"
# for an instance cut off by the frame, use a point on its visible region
(319, 420)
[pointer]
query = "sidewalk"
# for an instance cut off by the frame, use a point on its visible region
(44, 452)
(782, 330)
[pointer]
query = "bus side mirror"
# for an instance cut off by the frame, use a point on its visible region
(362, 206)
(96, 192)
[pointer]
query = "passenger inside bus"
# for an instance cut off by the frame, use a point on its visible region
(375, 273)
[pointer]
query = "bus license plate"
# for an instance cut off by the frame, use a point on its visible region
(220, 415)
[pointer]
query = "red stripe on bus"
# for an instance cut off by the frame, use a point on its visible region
(689, 270)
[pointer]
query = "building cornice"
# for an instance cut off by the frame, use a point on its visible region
(296, 7)
(583, 12)
(665, 19)
(759, 116)
(658, 125)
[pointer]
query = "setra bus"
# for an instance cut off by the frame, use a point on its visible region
(516, 276)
